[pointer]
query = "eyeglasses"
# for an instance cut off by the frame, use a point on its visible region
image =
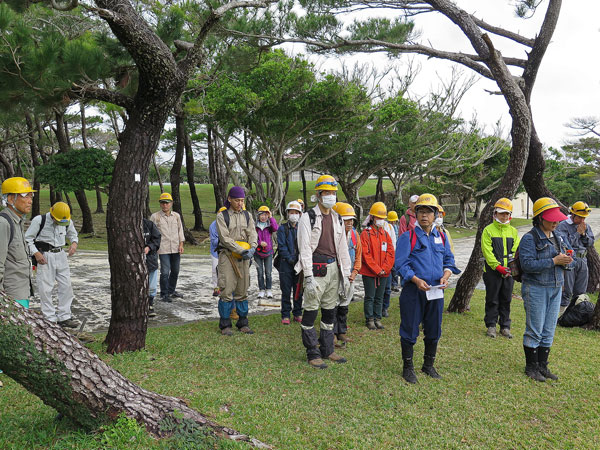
(26, 194)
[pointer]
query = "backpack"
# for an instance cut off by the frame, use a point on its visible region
(413, 239)
(12, 226)
(514, 264)
(578, 313)
(312, 216)
(227, 218)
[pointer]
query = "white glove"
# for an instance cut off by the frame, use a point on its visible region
(310, 286)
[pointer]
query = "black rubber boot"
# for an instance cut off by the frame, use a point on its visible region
(408, 370)
(532, 369)
(543, 363)
(429, 359)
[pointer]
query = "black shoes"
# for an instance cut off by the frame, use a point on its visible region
(69, 323)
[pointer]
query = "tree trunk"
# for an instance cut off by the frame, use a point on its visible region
(304, 193)
(189, 167)
(478, 204)
(175, 175)
(216, 169)
(379, 194)
(461, 220)
(64, 374)
(99, 208)
(83, 125)
(33, 147)
(68, 201)
(157, 170)
(64, 145)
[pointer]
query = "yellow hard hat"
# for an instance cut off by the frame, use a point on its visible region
(428, 200)
(442, 212)
(242, 244)
(543, 204)
(378, 209)
(16, 185)
(61, 212)
(264, 208)
(326, 183)
(345, 210)
(165, 197)
(503, 205)
(580, 209)
(392, 216)
(221, 209)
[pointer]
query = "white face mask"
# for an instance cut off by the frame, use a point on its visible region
(380, 222)
(328, 201)
(439, 221)
(292, 217)
(502, 223)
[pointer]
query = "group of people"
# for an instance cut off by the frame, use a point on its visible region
(319, 255)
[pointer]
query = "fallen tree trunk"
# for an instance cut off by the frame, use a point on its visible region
(53, 365)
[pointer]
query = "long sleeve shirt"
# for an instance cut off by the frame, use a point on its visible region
(52, 234)
(498, 243)
(171, 231)
(15, 265)
(579, 242)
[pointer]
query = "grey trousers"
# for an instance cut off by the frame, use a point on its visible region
(576, 281)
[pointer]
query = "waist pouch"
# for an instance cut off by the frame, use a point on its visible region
(320, 262)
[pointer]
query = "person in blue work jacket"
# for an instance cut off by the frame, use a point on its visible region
(425, 262)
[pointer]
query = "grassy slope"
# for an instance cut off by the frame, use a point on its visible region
(261, 385)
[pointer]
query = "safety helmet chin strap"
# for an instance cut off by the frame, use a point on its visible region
(12, 205)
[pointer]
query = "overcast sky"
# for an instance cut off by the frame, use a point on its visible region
(568, 83)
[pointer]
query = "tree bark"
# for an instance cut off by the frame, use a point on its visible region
(189, 167)
(216, 169)
(157, 170)
(64, 374)
(304, 193)
(379, 194)
(33, 147)
(175, 175)
(99, 208)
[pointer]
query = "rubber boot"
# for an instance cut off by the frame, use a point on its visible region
(408, 370)
(429, 359)
(543, 363)
(531, 364)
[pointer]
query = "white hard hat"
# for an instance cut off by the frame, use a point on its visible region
(413, 198)
(294, 205)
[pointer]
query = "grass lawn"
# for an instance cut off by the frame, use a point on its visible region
(261, 385)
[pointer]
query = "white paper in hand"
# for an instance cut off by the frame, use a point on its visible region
(435, 292)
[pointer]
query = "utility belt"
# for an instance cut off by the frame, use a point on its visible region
(320, 263)
(44, 247)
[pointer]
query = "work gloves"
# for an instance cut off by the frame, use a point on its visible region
(248, 254)
(310, 286)
(504, 271)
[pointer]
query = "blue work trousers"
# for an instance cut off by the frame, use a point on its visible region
(414, 309)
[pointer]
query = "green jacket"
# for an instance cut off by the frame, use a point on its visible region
(499, 242)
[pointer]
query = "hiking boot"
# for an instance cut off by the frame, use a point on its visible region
(317, 363)
(285, 321)
(246, 330)
(506, 333)
(408, 372)
(428, 368)
(378, 324)
(176, 295)
(234, 315)
(339, 344)
(166, 299)
(216, 292)
(336, 358)
(341, 340)
(69, 323)
(298, 319)
(491, 332)
(227, 331)
(151, 312)
(371, 324)
(384, 312)
(269, 293)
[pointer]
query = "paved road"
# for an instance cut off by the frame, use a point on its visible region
(90, 277)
